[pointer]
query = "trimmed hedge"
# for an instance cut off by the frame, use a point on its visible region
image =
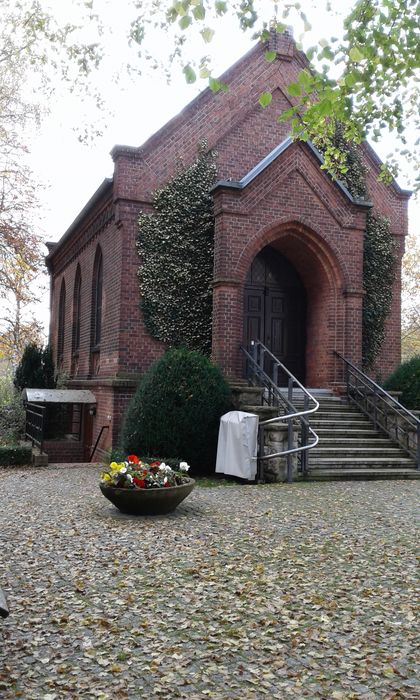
(15, 454)
(406, 379)
(176, 410)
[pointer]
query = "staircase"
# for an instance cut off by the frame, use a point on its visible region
(349, 446)
(326, 436)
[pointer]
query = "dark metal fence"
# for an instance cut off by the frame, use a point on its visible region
(35, 423)
(385, 412)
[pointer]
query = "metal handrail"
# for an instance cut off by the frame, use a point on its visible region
(402, 416)
(104, 427)
(256, 362)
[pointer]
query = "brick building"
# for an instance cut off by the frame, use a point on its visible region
(288, 247)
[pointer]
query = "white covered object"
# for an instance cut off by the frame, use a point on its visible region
(237, 445)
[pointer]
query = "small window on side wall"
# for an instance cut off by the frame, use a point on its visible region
(97, 301)
(77, 293)
(61, 324)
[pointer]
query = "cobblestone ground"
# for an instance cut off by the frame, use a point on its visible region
(279, 591)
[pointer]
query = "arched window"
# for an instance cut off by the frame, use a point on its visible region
(76, 311)
(97, 300)
(61, 324)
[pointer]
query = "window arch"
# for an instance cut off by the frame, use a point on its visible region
(61, 324)
(97, 299)
(77, 293)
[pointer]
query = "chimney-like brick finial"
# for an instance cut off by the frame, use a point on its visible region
(283, 44)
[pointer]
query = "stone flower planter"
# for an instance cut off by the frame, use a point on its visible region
(157, 501)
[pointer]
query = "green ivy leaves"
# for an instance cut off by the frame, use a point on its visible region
(175, 245)
(378, 279)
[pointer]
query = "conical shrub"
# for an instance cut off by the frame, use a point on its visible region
(176, 410)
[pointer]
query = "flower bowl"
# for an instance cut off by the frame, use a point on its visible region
(140, 487)
(153, 501)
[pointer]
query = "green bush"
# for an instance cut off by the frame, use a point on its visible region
(406, 379)
(15, 454)
(36, 368)
(176, 410)
(12, 418)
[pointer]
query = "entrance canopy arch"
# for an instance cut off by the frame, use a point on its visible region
(318, 327)
(330, 318)
(291, 205)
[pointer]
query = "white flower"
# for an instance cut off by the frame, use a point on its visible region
(123, 470)
(164, 468)
(184, 466)
(129, 477)
(165, 481)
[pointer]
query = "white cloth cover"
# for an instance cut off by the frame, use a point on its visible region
(237, 445)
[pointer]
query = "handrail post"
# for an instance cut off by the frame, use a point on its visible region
(418, 445)
(375, 407)
(289, 434)
(260, 463)
(347, 376)
(304, 439)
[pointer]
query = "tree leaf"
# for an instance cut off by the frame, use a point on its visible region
(265, 99)
(270, 56)
(190, 75)
(355, 54)
(207, 34)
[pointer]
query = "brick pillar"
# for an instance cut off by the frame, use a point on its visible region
(227, 327)
(353, 339)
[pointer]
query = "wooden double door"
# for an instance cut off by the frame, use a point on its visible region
(275, 310)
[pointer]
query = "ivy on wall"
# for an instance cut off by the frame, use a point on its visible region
(175, 245)
(378, 257)
(378, 280)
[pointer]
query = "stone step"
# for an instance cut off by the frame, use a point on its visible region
(323, 393)
(361, 474)
(340, 434)
(338, 414)
(342, 423)
(357, 451)
(373, 441)
(355, 442)
(264, 412)
(339, 462)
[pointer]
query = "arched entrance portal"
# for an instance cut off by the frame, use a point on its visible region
(275, 309)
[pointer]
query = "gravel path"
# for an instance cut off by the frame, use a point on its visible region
(279, 591)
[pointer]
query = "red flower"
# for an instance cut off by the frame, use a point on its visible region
(133, 459)
(139, 482)
(167, 484)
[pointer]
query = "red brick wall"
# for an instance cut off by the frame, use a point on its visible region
(63, 451)
(292, 205)
(81, 250)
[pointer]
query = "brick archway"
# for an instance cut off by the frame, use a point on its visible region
(333, 310)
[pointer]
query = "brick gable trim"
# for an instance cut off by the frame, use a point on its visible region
(270, 158)
(103, 189)
(282, 44)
